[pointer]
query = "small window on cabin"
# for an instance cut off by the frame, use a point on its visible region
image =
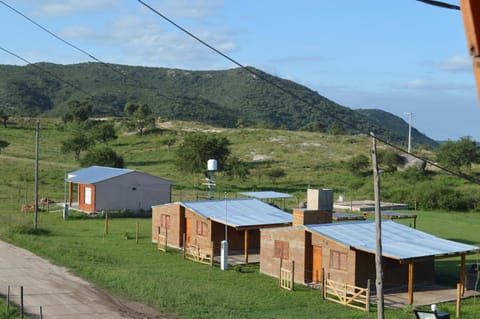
(281, 249)
(165, 221)
(201, 228)
(338, 260)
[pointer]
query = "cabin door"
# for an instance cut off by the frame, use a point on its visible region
(188, 230)
(317, 264)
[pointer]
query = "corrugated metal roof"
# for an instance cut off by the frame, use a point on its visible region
(240, 212)
(95, 174)
(398, 241)
(266, 195)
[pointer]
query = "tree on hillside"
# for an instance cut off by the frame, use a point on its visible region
(234, 167)
(275, 173)
(103, 132)
(140, 117)
(102, 156)
(458, 155)
(76, 143)
(78, 111)
(357, 164)
(197, 148)
(3, 144)
(4, 116)
(389, 160)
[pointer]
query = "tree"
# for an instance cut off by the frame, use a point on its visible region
(3, 144)
(389, 160)
(169, 141)
(103, 132)
(275, 173)
(140, 117)
(235, 167)
(78, 111)
(103, 156)
(458, 155)
(4, 116)
(76, 143)
(197, 148)
(357, 164)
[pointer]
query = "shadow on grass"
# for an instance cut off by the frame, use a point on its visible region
(29, 230)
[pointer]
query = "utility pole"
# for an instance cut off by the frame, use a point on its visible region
(37, 139)
(378, 228)
(409, 114)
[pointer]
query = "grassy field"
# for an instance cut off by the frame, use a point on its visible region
(164, 280)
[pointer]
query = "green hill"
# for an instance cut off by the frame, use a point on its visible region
(227, 98)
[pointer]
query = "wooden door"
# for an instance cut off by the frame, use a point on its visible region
(317, 264)
(188, 230)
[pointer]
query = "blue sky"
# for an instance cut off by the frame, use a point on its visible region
(399, 56)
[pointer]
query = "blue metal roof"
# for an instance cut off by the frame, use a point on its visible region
(398, 241)
(95, 174)
(266, 195)
(240, 212)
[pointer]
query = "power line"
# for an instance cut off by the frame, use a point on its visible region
(441, 4)
(295, 96)
(35, 65)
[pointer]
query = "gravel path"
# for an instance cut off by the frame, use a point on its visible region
(59, 293)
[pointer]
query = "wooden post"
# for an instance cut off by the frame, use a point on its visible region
(184, 246)
(106, 222)
(166, 239)
(378, 223)
(367, 301)
(137, 228)
(293, 275)
(462, 274)
(211, 254)
(410, 283)
(245, 246)
(8, 299)
(41, 313)
(280, 273)
(459, 297)
(21, 302)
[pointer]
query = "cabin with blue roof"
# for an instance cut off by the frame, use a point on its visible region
(99, 188)
(208, 222)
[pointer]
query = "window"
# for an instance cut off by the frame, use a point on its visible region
(338, 260)
(165, 221)
(88, 195)
(281, 249)
(201, 228)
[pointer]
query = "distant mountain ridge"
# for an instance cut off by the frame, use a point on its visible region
(227, 98)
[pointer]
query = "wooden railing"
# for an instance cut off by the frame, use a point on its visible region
(286, 276)
(198, 254)
(348, 295)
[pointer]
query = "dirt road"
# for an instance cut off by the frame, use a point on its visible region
(59, 293)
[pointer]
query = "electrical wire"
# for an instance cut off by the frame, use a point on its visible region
(46, 71)
(441, 4)
(305, 101)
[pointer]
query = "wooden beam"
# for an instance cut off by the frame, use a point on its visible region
(462, 275)
(471, 21)
(245, 245)
(410, 283)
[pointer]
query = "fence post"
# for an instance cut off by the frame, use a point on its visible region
(280, 273)
(367, 306)
(41, 313)
(8, 299)
(324, 293)
(106, 222)
(459, 297)
(137, 228)
(184, 246)
(293, 275)
(21, 302)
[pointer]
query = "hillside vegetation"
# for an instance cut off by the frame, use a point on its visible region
(228, 98)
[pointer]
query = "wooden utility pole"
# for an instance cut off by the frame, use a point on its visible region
(471, 21)
(378, 224)
(37, 139)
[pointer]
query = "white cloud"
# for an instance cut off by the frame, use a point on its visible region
(458, 63)
(55, 8)
(188, 8)
(418, 84)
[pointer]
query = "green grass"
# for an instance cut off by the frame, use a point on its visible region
(164, 280)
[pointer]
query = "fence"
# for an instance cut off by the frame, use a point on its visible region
(348, 295)
(17, 299)
(198, 254)
(162, 240)
(287, 276)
